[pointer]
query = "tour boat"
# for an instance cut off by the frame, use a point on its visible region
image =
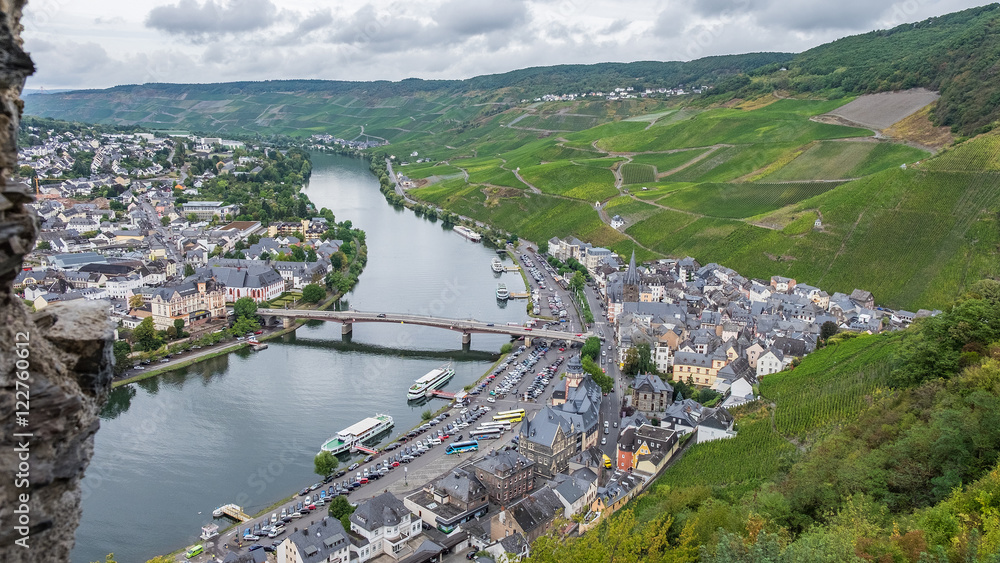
(430, 381)
(357, 433)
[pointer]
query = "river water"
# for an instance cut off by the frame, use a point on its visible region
(244, 427)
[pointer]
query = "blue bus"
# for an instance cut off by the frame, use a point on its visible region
(460, 447)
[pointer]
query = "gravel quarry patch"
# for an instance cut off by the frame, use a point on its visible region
(881, 110)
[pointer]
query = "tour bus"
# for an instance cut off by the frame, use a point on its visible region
(486, 434)
(462, 447)
(194, 550)
(513, 416)
(502, 425)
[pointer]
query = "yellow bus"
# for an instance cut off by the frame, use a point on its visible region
(513, 416)
(194, 550)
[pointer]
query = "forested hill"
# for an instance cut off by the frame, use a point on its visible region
(956, 53)
(150, 103)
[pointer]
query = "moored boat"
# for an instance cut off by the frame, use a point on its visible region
(430, 381)
(357, 433)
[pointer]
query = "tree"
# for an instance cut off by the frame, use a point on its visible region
(577, 282)
(244, 325)
(313, 293)
(638, 359)
(506, 347)
(135, 301)
(188, 270)
(828, 329)
(341, 509)
(145, 336)
(122, 362)
(179, 327)
(591, 348)
(426, 415)
(43, 245)
(543, 247)
(164, 220)
(338, 259)
(245, 307)
(325, 463)
(192, 218)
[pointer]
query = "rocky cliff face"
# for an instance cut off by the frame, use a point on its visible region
(55, 366)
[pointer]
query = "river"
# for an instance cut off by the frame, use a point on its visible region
(244, 427)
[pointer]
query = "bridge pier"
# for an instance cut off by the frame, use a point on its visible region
(527, 341)
(287, 322)
(466, 339)
(347, 328)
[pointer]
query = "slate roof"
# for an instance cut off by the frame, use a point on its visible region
(502, 462)
(536, 509)
(648, 383)
(318, 541)
(377, 512)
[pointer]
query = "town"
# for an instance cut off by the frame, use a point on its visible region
(688, 343)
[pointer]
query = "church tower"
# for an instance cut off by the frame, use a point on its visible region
(631, 283)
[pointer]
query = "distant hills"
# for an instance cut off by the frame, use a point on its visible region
(310, 106)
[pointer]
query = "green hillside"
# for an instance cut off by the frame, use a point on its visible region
(954, 53)
(874, 448)
(914, 237)
(411, 109)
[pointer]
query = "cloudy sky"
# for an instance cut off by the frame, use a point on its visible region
(102, 43)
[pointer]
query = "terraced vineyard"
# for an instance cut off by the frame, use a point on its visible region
(666, 162)
(589, 183)
(846, 159)
(832, 387)
(738, 201)
(633, 173)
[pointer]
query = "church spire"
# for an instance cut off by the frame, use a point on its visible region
(632, 274)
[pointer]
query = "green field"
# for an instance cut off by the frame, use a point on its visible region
(530, 216)
(631, 210)
(633, 173)
(737, 201)
(832, 387)
(426, 170)
(563, 178)
(785, 121)
(846, 159)
(665, 162)
(729, 163)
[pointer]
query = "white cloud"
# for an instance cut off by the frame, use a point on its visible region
(101, 43)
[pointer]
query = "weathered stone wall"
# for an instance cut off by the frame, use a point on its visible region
(59, 361)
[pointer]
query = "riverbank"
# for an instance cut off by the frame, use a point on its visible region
(236, 344)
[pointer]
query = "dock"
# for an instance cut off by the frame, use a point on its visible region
(440, 394)
(511, 268)
(519, 295)
(365, 449)
(258, 346)
(233, 511)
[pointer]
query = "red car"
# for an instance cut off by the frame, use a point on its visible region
(262, 332)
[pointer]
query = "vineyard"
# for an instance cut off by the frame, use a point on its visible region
(755, 454)
(730, 163)
(785, 121)
(567, 179)
(638, 173)
(846, 159)
(741, 200)
(832, 387)
(665, 162)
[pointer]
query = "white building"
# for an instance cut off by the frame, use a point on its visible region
(386, 526)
